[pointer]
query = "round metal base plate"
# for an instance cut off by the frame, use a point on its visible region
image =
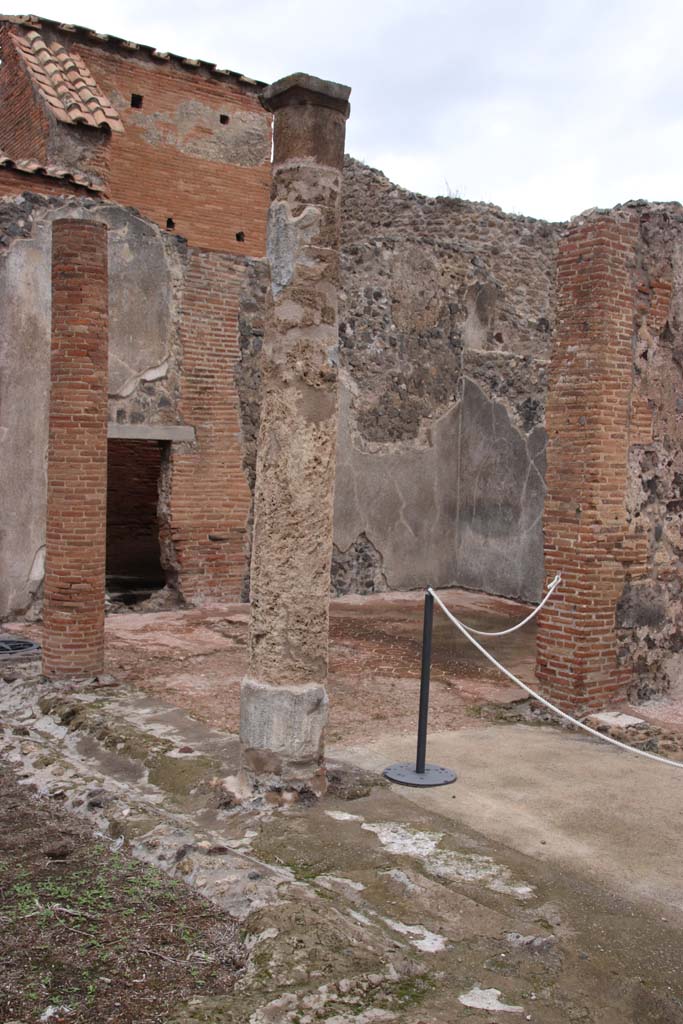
(433, 775)
(16, 647)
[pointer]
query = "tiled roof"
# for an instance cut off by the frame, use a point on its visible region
(88, 35)
(65, 82)
(48, 171)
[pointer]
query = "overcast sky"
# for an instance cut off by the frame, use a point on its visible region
(545, 108)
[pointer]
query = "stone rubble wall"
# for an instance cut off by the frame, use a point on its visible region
(446, 318)
(649, 615)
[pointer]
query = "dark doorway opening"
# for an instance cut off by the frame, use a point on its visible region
(134, 566)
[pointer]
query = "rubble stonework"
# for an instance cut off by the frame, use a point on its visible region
(426, 280)
(649, 615)
(446, 316)
(283, 701)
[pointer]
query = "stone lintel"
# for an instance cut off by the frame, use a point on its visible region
(150, 432)
(299, 88)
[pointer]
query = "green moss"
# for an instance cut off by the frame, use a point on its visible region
(181, 775)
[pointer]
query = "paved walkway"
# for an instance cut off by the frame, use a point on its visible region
(560, 798)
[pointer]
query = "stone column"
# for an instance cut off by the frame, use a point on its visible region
(73, 637)
(284, 703)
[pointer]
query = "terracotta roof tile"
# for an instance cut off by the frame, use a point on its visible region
(88, 35)
(49, 171)
(67, 85)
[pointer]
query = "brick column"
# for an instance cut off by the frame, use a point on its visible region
(589, 425)
(209, 495)
(284, 704)
(73, 638)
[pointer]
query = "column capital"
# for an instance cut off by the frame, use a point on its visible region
(300, 89)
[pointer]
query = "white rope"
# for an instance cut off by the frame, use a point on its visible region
(537, 696)
(552, 587)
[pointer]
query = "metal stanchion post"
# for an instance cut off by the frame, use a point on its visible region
(422, 774)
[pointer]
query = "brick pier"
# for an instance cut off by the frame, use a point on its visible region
(589, 429)
(73, 644)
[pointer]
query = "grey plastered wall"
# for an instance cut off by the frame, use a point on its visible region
(448, 309)
(462, 506)
(145, 280)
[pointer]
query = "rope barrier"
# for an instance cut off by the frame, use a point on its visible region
(537, 696)
(552, 587)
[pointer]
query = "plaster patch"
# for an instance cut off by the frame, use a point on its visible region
(616, 718)
(398, 839)
(402, 878)
(37, 570)
(286, 236)
(421, 938)
(487, 999)
(253, 940)
(447, 864)
(156, 372)
(343, 816)
(334, 881)
(374, 1016)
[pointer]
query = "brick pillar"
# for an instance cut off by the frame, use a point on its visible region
(209, 493)
(589, 425)
(73, 638)
(284, 703)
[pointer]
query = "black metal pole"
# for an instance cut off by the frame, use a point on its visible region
(422, 774)
(424, 684)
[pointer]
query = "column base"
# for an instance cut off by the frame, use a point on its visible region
(282, 736)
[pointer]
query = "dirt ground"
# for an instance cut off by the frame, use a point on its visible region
(89, 935)
(385, 904)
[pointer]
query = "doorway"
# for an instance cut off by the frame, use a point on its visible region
(134, 570)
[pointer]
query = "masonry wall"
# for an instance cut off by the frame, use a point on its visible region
(175, 159)
(447, 311)
(14, 183)
(649, 613)
(210, 496)
(173, 341)
(614, 511)
(195, 154)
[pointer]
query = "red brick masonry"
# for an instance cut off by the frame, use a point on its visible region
(210, 496)
(77, 453)
(588, 423)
